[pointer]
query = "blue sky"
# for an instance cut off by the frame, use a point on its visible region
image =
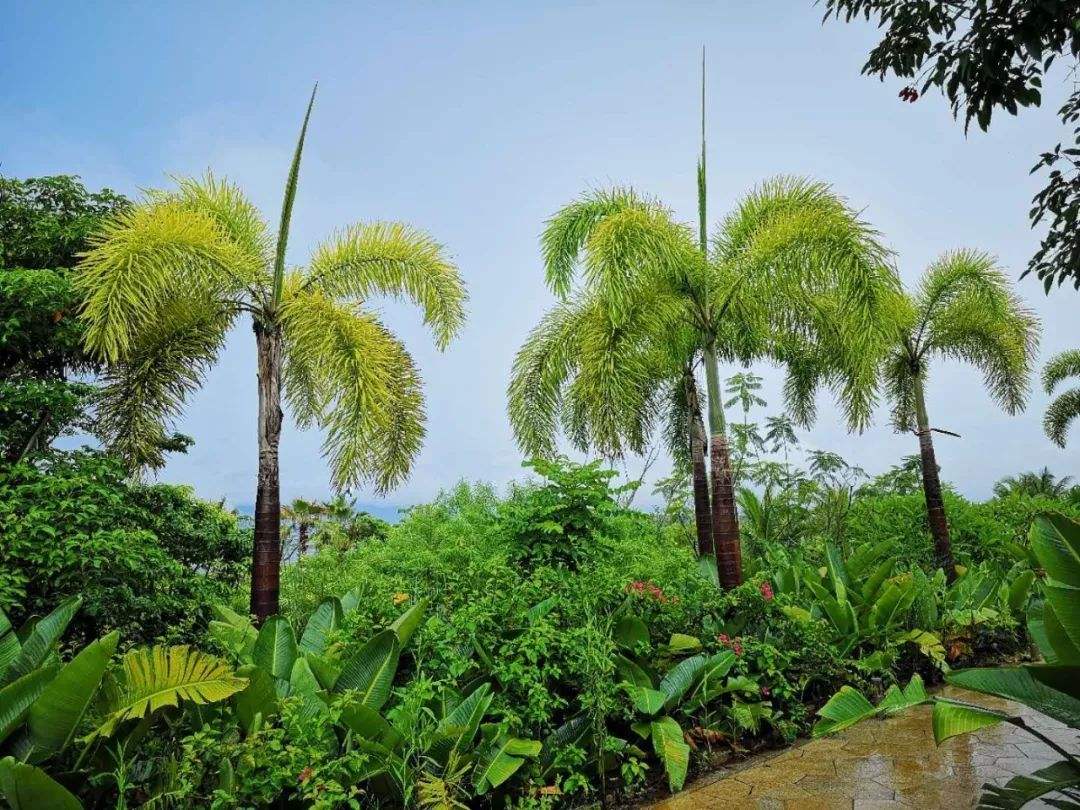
(477, 121)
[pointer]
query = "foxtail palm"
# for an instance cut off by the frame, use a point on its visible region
(964, 309)
(165, 282)
(791, 275)
(1066, 406)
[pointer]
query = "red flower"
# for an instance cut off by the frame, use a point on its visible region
(723, 638)
(764, 691)
(737, 648)
(767, 591)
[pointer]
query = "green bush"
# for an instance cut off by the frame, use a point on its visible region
(146, 560)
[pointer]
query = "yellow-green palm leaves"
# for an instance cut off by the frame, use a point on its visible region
(165, 282)
(791, 274)
(1064, 408)
(963, 309)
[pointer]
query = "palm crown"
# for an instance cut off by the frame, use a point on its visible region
(791, 274)
(1065, 407)
(165, 282)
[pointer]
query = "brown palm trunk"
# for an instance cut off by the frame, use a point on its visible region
(725, 515)
(935, 505)
(702, 506)
(725, 518)
(266, 550)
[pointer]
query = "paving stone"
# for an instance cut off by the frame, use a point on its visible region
(890, 763)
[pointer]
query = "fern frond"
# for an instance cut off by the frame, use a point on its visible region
(396, 260)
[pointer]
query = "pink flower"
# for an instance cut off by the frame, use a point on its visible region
(767, 591)
(737, 648)
(765, 691)
(723, 638)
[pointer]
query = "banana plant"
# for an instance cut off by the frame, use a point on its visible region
(447, 734)
(1051, 686)
(44, 703)
(278, 665)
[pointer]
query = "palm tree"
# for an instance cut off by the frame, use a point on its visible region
(964, 309)
(1066, 407)
(792, 275)
(1034, 484)
(165, 282)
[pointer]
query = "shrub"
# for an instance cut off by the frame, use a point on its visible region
(146, 560)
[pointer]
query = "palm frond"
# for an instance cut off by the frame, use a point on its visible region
(1060, 414)
(148, 255)
(147, 389)
(287, 206)
(346, 373)
(969, 312)
(899, 384)
(393, 259)
(618, 229)
(1060, 367)
(542, 366)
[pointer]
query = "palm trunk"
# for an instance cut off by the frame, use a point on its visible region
(702, 508)
(935, 505)
(266, 550)
(725, 516)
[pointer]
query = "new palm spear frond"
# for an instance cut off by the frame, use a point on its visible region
(165, 282)
(964, 309)
(791, 275)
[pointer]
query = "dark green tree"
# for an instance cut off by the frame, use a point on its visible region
(987, 55)
(44, 224)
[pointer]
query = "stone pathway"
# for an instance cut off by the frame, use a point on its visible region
(883, 764)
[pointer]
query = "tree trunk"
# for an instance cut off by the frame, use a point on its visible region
(266, 550)
(725, 516)
(935, 505)
(702, 507)
(302, 529)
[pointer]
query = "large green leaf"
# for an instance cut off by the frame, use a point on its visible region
(239, 641)
(1065, 602)
(1060, 677)
(325, 619)
(457, 730)
(42, 639)
(28, 788)
(1055, 540)
(407, 623)
(367, 723)
(630, 631)
(838, 575)
(1019, 590)
(9, 645)
(1053, 641)
(57, 713)
(846, 708)
(275, 648)
(680, 678)
(370, 670)
(18, 696)
(1016, 683)
(628, 670)
(645, 700)
(258, 699)
(1020, 790)
(951, 718)
(499, 759)
(672, 749)
(873, 584)
(157, 677)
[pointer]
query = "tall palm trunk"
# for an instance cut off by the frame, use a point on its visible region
(725, 516)
(266, 550)
(935, 505)
(702, 507)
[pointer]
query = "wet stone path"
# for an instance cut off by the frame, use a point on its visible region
(883, 764)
